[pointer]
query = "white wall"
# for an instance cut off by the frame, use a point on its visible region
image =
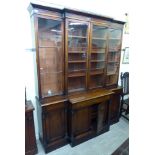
(113, 8)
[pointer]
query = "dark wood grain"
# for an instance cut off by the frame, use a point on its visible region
(30, 140)
(77, 96)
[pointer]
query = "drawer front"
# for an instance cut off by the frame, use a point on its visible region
(90, 102)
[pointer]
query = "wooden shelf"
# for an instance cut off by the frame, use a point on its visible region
(111, 73)
(72, 36)
(76, 74)
(77, 61)
(109, 84)
(96, 38)
(112, 61)
(78, 89)
(97, 61)
(49, 47)
(77, 52)
(79, 70)
(97, 52)
(95, 87)
(114, 50)
(96, 72)
(114, 38)
(99, 48)
(97, 68)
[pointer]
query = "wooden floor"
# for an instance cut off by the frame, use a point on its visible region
(123, 149)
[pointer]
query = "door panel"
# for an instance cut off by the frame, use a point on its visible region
(55, 124)
(98, 47)
(102, 116)
(81, 121)
(77, 56)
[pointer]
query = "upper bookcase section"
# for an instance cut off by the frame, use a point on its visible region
(62, 12)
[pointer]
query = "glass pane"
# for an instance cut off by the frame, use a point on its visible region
(97, 62)
(111, 79)
(99, 32)
(112, 68)
(96, 81)
(50, 57)
(77, 29)
(115, 33)
(97, 65)
(76, 66)
(76, 84)
(77, 55)
(98, 45)
(114, 44)
(51, 84)
(113, 56)
(49, 32)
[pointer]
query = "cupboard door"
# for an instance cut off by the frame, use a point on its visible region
(115, 105)
(81, 125)
(114, 108)
(81, 121)
(55, 126)
(51, 56)
(103, 117)
(98, 56)
(114, 54)
(77, 48)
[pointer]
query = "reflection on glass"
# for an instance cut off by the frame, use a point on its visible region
(76, 84)
(50, 34)
(50, 51)
(115, 33)
(97, 62)
(112, 68)
(96, 81)
(77, 29)
(113, 56)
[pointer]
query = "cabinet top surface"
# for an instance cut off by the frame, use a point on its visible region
(61, 9)
(53, 100)
(28, 106)
(89, 95)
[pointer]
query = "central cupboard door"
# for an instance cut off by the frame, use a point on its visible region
(98, 47)
(77, 55)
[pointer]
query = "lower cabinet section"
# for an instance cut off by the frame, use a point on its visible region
(53, 133)
(89, 117)
(77, 118)
(81, 126)
(115, 105)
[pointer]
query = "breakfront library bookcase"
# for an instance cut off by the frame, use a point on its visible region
(77, 63)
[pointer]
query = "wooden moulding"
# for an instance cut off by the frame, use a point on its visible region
(89, 95)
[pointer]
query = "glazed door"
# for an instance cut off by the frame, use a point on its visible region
(114, 54)
(77, 55)
(98, 50)
(51, 56)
